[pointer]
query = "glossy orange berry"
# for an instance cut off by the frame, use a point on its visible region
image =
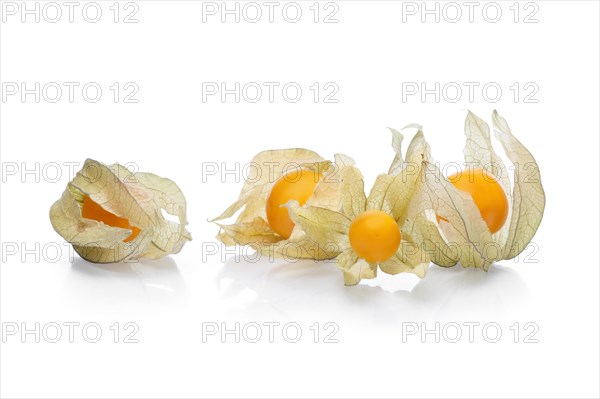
(487, 193)
(298, 185)
(374, 236)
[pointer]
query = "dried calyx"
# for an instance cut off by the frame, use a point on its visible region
(110, 214)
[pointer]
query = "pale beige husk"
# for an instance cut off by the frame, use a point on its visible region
(139, 197)
(251, 226)
(465, 238)
(391, 194)
(414, 192)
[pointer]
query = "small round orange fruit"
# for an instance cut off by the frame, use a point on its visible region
(297, 185)
(487, 193)
(374, 236)
(91, 210)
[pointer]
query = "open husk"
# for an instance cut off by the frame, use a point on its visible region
(251, 226)
(391, 194)
(138, 197)
(465, 237)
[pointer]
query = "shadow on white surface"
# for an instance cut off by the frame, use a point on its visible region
(148, 280)
(292, 288)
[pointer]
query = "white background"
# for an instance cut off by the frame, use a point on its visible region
(170, 131)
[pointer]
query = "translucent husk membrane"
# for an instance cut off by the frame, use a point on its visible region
(438, 222)
(134, 201)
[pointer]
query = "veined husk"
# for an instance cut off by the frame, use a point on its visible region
(251, 226)
(391, 194)
(139, 197)
(466, 239)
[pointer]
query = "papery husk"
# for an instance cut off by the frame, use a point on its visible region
(137, 197)
(464, 236)
(391, 194)
(251, 226)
